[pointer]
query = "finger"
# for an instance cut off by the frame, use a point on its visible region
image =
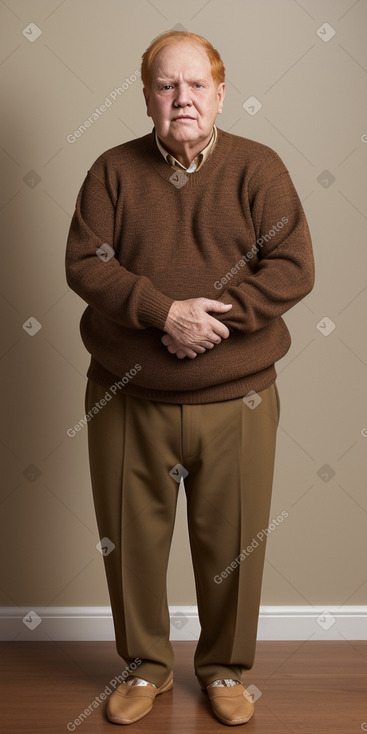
(210, 304)
(188, 351)
(199, 348)
(172, 348)
(181, 353)
(214, 340)
(218, 329)
(209, 342)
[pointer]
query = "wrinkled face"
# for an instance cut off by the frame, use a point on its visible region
(183, 100)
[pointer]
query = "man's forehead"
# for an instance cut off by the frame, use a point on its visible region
(180, 59)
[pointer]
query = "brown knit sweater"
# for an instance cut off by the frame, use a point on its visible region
(235, 231)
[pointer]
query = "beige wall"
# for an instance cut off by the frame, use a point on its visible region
(313, 114)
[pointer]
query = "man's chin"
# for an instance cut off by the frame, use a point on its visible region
(185, 134)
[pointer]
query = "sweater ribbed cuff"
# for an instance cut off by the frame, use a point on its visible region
(154, 307)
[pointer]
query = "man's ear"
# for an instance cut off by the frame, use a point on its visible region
(221, 92)
(146, 93)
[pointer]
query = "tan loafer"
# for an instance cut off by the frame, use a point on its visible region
(130, 703)
(230, 704)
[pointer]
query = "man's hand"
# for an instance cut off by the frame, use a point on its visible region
(178, 349)
(191, 330)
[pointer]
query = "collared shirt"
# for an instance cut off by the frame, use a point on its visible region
(198, 160)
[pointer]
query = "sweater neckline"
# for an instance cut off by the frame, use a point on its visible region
(154, 157)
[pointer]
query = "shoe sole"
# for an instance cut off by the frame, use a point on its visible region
(234, 723)
(164, 689)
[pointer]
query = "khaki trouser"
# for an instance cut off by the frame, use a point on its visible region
(228, 450)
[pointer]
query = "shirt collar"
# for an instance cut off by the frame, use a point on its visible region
(198, 160)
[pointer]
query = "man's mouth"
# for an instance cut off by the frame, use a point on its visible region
(183, 117)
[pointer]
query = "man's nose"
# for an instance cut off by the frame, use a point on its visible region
(182, 96)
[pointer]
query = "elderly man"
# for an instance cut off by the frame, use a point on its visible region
(188, 244)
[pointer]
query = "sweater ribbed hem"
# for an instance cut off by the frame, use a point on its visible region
(213, 394)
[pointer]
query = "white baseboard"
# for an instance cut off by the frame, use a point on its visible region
(95, 623)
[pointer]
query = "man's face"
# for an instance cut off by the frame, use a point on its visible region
(183, 100)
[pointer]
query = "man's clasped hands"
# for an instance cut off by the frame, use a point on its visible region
(190, 330)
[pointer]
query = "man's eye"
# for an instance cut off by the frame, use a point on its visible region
(167, 86)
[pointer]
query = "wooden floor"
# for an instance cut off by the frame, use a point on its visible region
(308, 687)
